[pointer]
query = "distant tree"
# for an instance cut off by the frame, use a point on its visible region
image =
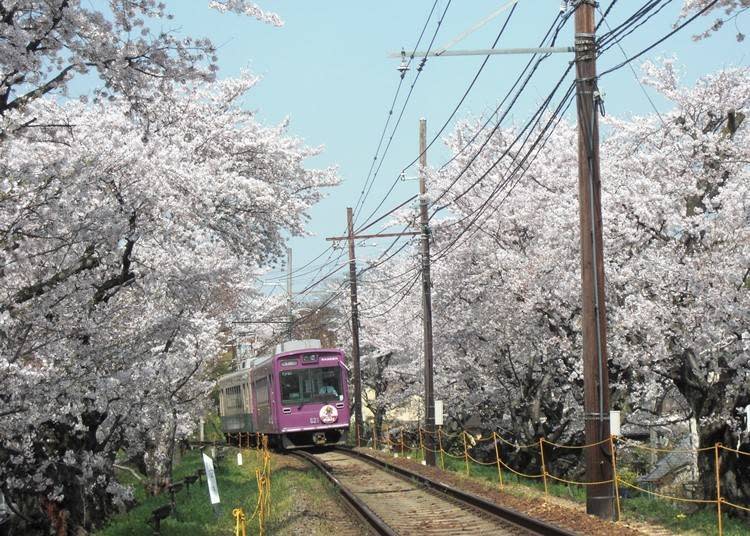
(317, 320)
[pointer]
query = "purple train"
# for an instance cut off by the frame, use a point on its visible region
(299, 396)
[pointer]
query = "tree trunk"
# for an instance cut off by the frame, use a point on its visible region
(734, 469)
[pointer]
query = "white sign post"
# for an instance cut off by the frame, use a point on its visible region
(614, 423)
(213, 488)
(438, 413)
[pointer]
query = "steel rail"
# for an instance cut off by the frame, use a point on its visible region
(370, 518)
(506, 514)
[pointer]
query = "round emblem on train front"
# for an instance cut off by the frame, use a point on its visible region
(328, 414)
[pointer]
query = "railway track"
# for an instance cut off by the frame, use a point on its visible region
(394, 501)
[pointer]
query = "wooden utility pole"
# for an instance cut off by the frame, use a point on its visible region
(599, 497)
(355, 328)
(429, 397)
(290, 317)
(350, 237)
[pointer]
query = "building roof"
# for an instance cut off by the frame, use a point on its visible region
(679, 458)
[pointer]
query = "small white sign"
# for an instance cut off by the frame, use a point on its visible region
(614, 423)
(213, 488)
(239, 458)
(438, 413)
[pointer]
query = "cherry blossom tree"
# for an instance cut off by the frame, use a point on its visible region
(506, 291)
(131, 229)
(46, 43)
(731, 9)
(390, 336)
(128, 243)
(506, 296)
(678, 221)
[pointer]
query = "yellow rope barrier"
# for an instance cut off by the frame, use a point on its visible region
(718, 486)
(613, 454)
(263, 480)
(440, 446)
(579, 483)
(544, 469)
(466, 453)
(669, 497)
(654, 449)
(614, 446)
(239, 522)
(456, 456)
(497, 462)
(745, 508)
(516, 445)
(588, 445)
(450, 435)
(480, 463)
(744, 453)
(525, 475)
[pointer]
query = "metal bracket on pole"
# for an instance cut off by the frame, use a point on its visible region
(585, 46)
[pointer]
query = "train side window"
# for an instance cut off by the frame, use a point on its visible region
(261, 391)
(232, 398)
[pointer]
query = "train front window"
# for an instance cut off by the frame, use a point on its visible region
(301, 386)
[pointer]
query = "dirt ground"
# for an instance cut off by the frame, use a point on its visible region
(313, 508)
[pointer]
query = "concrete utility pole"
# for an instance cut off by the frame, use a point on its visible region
(290, 317)
(599, 497)
(355, 328)
(429, 397)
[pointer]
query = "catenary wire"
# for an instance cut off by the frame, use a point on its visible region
(373, 177)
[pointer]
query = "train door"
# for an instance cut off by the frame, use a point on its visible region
(261, 403)
(272, 400)
(264, 413)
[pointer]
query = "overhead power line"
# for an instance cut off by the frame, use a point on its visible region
(377, 162)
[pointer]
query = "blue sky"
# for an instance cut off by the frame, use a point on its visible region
(327, 70)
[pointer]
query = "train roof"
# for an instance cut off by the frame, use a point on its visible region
(281, 349)
(236, 375)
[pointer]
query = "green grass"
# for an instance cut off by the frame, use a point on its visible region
(675, 516)
(237, 488)
(297, 493)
